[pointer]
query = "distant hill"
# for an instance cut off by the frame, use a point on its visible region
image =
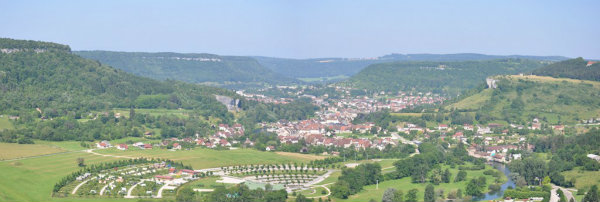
(519, 99)
(439, 77)
(465, 57)
(336, 67)
(227, 71)
(48, 76)
(575, 68)
(315, 68)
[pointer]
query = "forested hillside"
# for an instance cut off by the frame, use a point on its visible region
(464, 57)
(227, 71)
(57, 95)
(520, 99)
(439, 77)
(575, 68)
(332, 67)
(60, 83)
(314, 68)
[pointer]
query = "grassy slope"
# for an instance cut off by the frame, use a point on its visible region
(541, 99)
(405, 184)
(583, 179)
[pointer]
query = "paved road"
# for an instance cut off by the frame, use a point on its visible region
(554, 196)
(320, 178)
(405, 141)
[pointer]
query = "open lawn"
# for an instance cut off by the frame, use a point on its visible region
(154, 112)
(405, 184)
(207, 183)
(65, 145)
(583, 179)
(14, 150)
(300, 156)
(33, 179)
(210, 158)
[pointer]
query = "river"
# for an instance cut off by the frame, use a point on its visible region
(498, 194)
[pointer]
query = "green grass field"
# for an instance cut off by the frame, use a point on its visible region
(405, 184)
(583, 179)
(13, 150)
(32, 179)
(210, 158)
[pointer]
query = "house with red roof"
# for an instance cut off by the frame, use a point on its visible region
(176, 146)
(590, 63)
(187, 171)
(224, 143)
(122, 146)
(457, 135)
(163, 178)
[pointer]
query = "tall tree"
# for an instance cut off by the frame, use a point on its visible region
(429, 195)
(399, 196)
(592, 195)
(388, 195)
(473, 188)
(185, 195)
(412, 195)
(446, 176)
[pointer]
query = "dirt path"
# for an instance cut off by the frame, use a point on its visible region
(104, 188)
(91, 151)
(79, 185)
(324, 187)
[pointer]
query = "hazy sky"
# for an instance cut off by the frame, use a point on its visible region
(302, 29)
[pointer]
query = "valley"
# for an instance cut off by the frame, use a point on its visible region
(299, 101)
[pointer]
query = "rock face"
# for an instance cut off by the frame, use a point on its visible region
(230, 103)
(491, 83)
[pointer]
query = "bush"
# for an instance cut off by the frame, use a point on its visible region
(517, 194)
(488, 172)
(494, 187)
(25, 140)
